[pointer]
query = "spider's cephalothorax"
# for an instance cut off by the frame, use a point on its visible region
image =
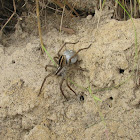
(65, 63)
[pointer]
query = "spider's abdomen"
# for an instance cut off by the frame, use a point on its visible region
(69, 54)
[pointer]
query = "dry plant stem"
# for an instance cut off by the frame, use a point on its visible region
(139, 5)
(70, 12)
(125, 5)
(62, 18)
(10, 16)
(72, 8)
(137, 76)
(62, 5)
(54, 9)
(137, 80)
(135, 8)
(101, 4)
(131, 8)
(64, 46)
(116, 6)
(45, 18)
(124, 10)
(39, 24)
(99, 14)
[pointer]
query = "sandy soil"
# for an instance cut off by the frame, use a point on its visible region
(24, 115)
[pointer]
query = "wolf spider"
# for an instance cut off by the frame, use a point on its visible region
(66, 62)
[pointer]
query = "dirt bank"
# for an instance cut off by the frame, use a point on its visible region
(110, 60)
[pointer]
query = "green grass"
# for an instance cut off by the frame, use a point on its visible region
(49, 55)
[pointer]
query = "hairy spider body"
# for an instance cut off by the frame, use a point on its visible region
(66, 63)
(63, 62)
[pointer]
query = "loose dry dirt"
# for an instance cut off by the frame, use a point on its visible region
(24, 115)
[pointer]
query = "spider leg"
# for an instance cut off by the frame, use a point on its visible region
(78, 52)
(78, 68)
(56, 59)
(70, 87)
(52, 66)
(82, 69)
(44, 82)
(61, 88)
(64, 46)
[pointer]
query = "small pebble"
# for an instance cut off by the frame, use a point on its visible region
(89, 17)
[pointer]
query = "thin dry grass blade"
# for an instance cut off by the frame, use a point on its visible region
(39, 24)
(10, 16)
(61, 24)
(131, 7)
(135, 8)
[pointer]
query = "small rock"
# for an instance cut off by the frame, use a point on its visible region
(89, 17)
